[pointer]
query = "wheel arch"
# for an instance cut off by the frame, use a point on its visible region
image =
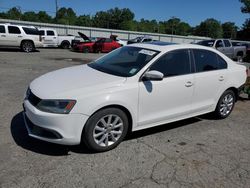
(124, 109)
(236, 92)
(27, 40)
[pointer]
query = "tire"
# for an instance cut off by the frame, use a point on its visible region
(105, 129)
(27, 46)
(65, 45)
(85, 50)
(225, 105)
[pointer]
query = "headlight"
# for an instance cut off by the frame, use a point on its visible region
(56, 106)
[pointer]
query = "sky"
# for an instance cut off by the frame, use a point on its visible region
(190, 11)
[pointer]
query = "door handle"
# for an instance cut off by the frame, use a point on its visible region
(221, 78)
(20, 36)
(189, 84)
(54, 37)
(3, 35)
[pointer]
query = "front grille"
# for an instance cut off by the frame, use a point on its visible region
(33, 99)
(42, 132)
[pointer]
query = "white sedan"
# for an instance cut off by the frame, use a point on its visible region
(132, 88)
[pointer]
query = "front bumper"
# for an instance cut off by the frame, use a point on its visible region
(63, 129)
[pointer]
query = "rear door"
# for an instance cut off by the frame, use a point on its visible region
(3, 39)
(210, 78)
(107, 45)
(14, 36)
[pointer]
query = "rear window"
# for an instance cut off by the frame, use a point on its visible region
(2, 29)
(30, 31)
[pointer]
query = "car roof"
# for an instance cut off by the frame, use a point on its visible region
(167, 46)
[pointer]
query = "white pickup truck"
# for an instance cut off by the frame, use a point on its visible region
(225, 46)
(51, 38)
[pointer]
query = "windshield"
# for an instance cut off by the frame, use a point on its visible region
(125, 61)
(208, 43)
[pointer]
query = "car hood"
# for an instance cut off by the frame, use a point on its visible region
(73, 82)
(84, 36)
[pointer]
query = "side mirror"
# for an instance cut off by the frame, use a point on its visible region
(153, 75)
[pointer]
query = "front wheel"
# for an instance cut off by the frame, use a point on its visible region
(105, 129)
(225, 105)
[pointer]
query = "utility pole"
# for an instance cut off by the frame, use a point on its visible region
(56, 9)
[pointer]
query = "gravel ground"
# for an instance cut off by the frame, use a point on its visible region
(198, 152)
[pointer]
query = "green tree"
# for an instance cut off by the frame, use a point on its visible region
(102, 19)
(44, 17)
(14, 13)
(246, 6)
(66, 16)
(229, 30)
(84, 20)
(30, 16)
(114, 18)
(3, 15)
(209, 28)
(175, 26)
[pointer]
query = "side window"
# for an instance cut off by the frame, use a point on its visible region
(227, 43)
(219, 44)
(2, 29)
(108, 40)
(147, 40)
(14, 30)
(222, 64)
(41, 32)
(173, 63)
(50, 33)
(205, 60)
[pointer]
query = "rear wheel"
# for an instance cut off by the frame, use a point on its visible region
(65, 45)
(105, 129)
(225, 104)
(27, 46)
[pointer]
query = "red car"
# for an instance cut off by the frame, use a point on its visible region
(101, 45)
(105, 45)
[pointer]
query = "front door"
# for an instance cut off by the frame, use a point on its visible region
(169, 99)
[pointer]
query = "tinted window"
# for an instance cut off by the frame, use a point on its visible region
(125, 61)
(30, 31)
(227, 43)
(2, 29)
(219, 44)
(222, 64)
(108, 40)
(147, 40)
(14, 30)
(50, 33)
(209, 43)
(173, 63)
(42, 32)
(205, 60)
